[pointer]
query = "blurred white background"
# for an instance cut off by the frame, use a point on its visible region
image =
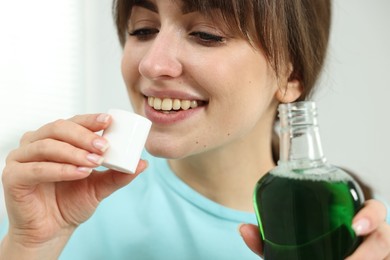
(59, 58)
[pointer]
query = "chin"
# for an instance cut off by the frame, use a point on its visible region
(172, 150)
(163, 151)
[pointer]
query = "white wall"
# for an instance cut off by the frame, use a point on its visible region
(41, 67)
(105, 87)
(354, 97)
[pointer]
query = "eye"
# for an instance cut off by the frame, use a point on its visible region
(143, 34)
(207, 39)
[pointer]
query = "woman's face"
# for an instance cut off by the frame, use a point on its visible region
(203, 87)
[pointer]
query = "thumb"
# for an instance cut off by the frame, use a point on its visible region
(110, 181)
(250, 234)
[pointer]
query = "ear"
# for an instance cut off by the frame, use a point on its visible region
(291, 90)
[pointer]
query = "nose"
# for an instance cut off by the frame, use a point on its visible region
(161, 58)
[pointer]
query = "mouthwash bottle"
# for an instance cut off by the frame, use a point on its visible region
(305, 206)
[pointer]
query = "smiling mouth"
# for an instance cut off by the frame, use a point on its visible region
(173, 105)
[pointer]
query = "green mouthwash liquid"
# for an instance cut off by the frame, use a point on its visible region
(302, 217)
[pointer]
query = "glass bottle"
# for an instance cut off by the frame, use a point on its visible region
(305, 206)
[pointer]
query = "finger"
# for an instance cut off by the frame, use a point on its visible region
(375, 246)
(55, 151)
(369, 217)
(108, 182)
(94, 122)
(33, 173)
(70, 132)
(250, 234)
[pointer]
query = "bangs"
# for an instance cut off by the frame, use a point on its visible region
(235, 14)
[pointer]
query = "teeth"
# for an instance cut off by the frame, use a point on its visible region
(194, 104)
(176, 104)
(157, 103)
(150, 101)
(185, 104)
(168, 104)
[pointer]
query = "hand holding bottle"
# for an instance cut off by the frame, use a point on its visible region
(370, 222)
(373, 227)
(50, 187)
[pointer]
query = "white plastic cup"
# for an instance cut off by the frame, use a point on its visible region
(126, 136)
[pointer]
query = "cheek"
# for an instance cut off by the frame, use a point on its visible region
(243, 101)
(242, 76)
(242, 91)
(131, 76)
(129, 67)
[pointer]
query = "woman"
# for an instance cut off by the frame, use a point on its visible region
(209, 74)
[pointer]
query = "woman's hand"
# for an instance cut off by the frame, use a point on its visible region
(252, 238)
(49, 185)
(368, 222)
(251, 235)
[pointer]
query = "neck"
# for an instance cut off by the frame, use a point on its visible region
(228, 175)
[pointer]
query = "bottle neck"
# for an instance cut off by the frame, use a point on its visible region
(300, 144)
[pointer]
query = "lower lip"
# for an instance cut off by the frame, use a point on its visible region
(158, 117)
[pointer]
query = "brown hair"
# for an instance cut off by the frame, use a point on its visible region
(288, 31)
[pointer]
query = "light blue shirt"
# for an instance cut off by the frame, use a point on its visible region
(158, 216)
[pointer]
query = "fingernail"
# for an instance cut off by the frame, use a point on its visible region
(100, 144)
(361, 226)
(84, 169)
(239, 228)
(103, 118)
(97, 159)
